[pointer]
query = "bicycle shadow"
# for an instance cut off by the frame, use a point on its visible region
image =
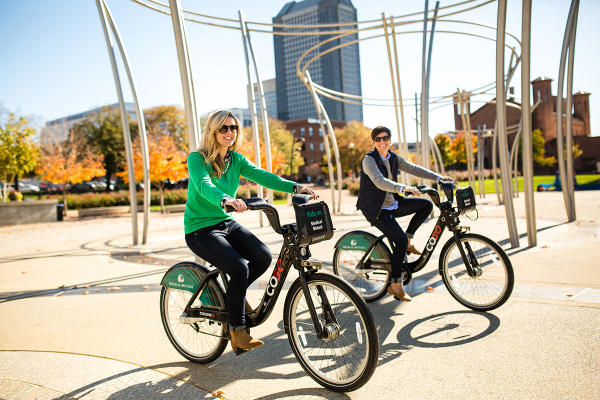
(270, 363)
(450, 328)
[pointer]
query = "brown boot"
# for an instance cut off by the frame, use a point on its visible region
(242, 341)
(400, 294)
(248, 307)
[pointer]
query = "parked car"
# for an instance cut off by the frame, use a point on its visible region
(28, 188)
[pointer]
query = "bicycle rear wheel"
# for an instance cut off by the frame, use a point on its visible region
(370, 283)
(202, 340)
(346, 357)
(494, 277)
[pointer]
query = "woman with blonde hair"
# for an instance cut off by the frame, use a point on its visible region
(211, 233)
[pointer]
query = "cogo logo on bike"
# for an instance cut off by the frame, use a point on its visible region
(274, 280)
(434, 238)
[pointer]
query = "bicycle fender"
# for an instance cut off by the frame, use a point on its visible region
(362, 240)
(184, 276)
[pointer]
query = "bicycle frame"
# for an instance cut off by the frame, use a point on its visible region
(447, 219)
(290, 255)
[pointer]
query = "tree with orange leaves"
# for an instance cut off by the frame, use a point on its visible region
(457, 148)
(278, 155)
(166, 161)
(69, 161)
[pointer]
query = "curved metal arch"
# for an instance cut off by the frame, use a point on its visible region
(106, 19)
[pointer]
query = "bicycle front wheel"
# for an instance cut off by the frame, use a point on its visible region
(201, 340)
(344, 357)
(371, 283)
(493, 280)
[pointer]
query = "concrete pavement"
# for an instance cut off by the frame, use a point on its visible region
(80, 317)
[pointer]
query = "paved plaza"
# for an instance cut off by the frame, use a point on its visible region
(79, 316)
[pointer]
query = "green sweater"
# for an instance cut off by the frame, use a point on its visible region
(205, 192)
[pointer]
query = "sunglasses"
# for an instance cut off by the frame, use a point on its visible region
(382, 138)
(225, 128)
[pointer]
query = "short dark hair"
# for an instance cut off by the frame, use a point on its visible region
(377, 130)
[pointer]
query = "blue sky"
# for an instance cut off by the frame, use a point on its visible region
(55, 62)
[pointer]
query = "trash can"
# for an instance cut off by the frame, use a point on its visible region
(60, 209)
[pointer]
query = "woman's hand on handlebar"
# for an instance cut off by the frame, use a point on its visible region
(307, 190)
(411, 190)
(237, 204)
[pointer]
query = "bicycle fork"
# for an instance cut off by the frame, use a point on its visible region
(470, 261)
(331, 329)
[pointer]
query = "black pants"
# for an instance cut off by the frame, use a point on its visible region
(226, 246)
(387, 224)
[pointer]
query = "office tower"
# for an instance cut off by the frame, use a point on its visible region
(338, 70)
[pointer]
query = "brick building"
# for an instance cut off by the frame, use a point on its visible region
(313, 150)
(544, 119)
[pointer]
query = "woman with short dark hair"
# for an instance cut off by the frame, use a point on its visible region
(381, 200)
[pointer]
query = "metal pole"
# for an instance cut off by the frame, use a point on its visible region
(261, 99)
(417, 152)
(325, 139)
(424, 105)
(125, 124)
(480, 166)
(187, 81)
(427, 80)
(251, 106)
(559, 114)
(140, 121)
(403, 146)
(501, 131)
(569, 118)
(395, 96)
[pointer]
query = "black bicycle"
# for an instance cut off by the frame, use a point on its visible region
(329, 326)
(474, 268)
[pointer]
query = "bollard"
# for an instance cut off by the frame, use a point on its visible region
(60, 209)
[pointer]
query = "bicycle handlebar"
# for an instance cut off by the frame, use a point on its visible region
(259, 204)
(447, 187)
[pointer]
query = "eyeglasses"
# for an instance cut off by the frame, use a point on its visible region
(382, 138)
(225, 128)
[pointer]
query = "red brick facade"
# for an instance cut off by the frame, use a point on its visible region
(309, 130)
(544, 119)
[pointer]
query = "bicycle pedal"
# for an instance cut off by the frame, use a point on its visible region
(184, 319)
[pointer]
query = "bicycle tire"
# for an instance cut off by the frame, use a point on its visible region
(344, 266)
(326, 361)
(495, 281)
(200, 342)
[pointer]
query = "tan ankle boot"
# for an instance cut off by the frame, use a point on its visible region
(399, 295)
(247, 307)
(242, 341)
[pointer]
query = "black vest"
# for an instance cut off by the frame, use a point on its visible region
(370, 197)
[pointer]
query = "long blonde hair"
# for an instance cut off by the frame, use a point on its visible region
(209, 147)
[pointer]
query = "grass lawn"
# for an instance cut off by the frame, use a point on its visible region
(537, 179)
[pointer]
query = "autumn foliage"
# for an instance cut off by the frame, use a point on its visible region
(69, 162)
(166, 162)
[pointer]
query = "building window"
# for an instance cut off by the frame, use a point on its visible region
(312, 160)
(320, 132)
(293, 132)
(321, 146)
(311, 146)
(310, 131)
(301, 131)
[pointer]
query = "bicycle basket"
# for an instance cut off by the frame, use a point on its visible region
(313, 222)
(465, 199)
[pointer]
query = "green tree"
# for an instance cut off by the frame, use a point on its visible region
(103, 133)
(167, 121)
(18, 152)
(444, 144)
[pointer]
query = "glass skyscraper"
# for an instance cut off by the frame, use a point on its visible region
(338, 70)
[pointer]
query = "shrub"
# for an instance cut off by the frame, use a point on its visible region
(15, 196)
